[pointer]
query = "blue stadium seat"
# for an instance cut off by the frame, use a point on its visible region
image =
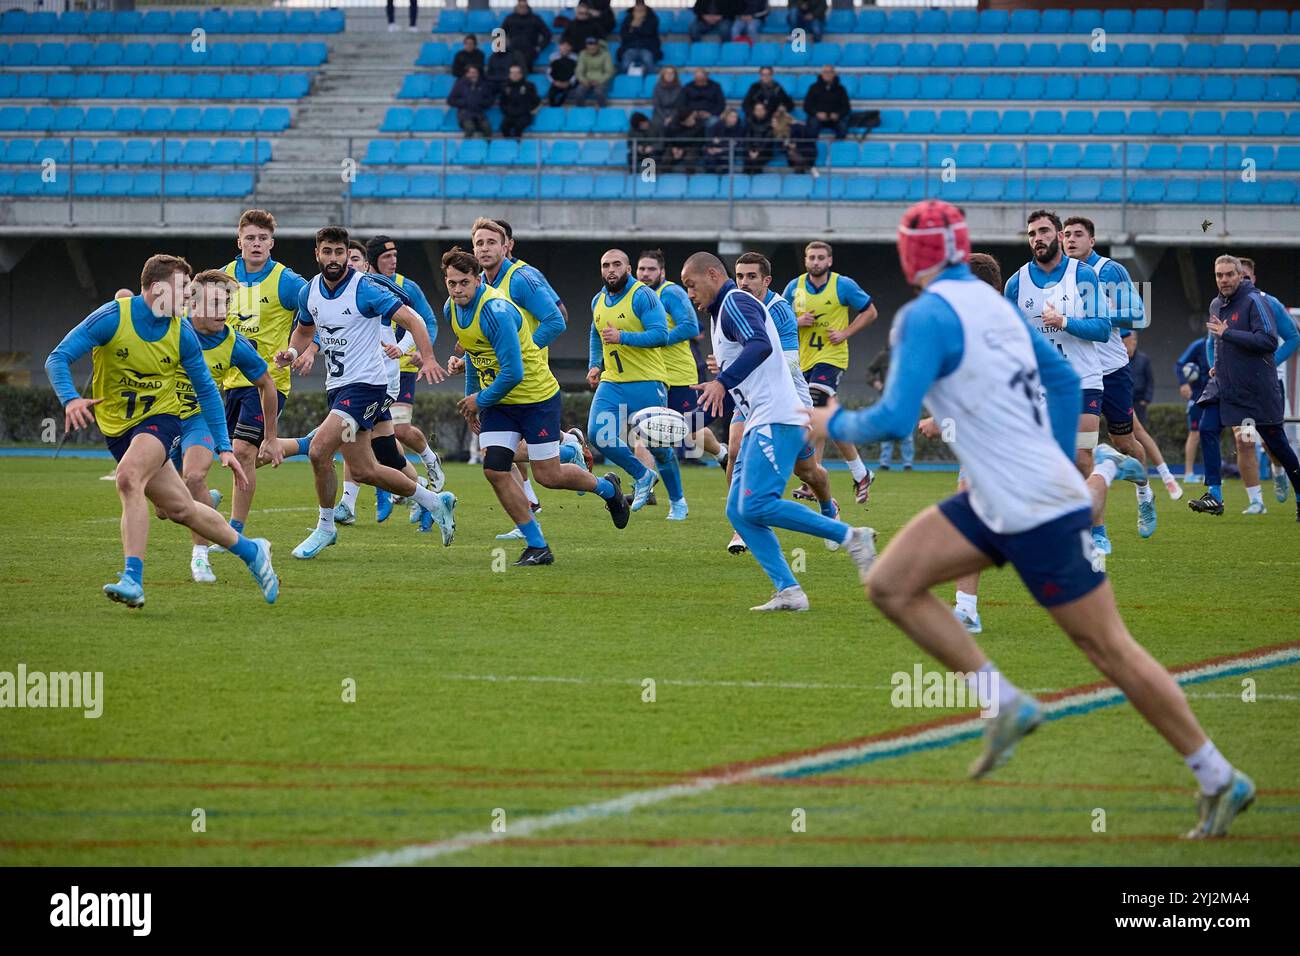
(423, 186)
(97, 119)
(107, 152)
(1229, 56)
(704, 53)
(516, 186)
(1123, 86)
(470, 152)
(855, 54)
(580, 119)
(934, 86)
(136, 152)
(1261, 55)
(1066, 156)
(1272, 123)
(987, 188)
(390, 186)
(844, 154)
(887, 54)
(1147, 190)
(19, 151)
(595, 152)
(431, 120)
(1179, 21)
(907, 156)
(415, 86)
(1237, 123)
(579, 187)
(995, 22)
(1288, 158)
(282, 54)
(1028, 86)
(1172, 123)
(185, 119)
(1010, 55)
(1211, 22)
(983, 122)
(227, 152)
(915, 55)
(1054, 21)
(901, 21)
(1167, 56)
(971, 155)
(1036, 156)
(484, 186)
(235, 86)
(951, 122)
(1003, 156)
(175, 86)
(1280, 89)
(274, 119)
(1261, 156)
(1184, 88)
(362, 188)
(931, 21)
(1180, 189)
(838, 21)
(1041, 55)
(13, 118)
(920, 122)
(1279, 192)
(1014, 123)
(997, 86)
(609, 186)
(873, 154)
(965, 86)
(451, 21)
(272, 21)
(196, 152)
(1205, 123)
(611, 119)
(1192, 156)
(408, 152)
(1059, 88)
(1085, 189)
(1198, 56)
(1247, 88)
(1072, 55)
(1109, 123)
(1045, 123)
(1135, 55)
(965, 21)
(1077, 123)
(1097, 156)
(92, 183)
(1141, 123)
(1210, 191)
(481, 21)
(948, 55)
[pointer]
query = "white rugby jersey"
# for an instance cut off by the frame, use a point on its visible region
(350, 341)
(1002, 433)
(1113, 354)
(1082, 354)
(767, 396)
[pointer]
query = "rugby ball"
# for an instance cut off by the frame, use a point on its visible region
(658, 427)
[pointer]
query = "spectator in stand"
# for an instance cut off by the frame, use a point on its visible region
(726, 142)
(584, 24)
(498, 67)
(595, 70)
(392, 17)
(684, 138)
(768, 92)
(468, 55)
(827, 105)
(703, 97)
(519, 103)
(1144, 384)
(603, 13)
(714, 17)
(641, 142)
(563, 66)
(666, 98)
(472, 97)
(808, 15)
(799, 147)
(640, 35)
(749, 21)
(758, 138)
(526, 34)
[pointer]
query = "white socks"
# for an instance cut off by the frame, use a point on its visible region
(427, 498)
(428, 457)
(1255, 495)
(1163, 471)
(200, 551)
(350, 489)
(528, 490)
(967, 603)
(857, 469)
(1105, 470)
(326, 522)
(1144, 492)
(1004, 692)
(1213, 772)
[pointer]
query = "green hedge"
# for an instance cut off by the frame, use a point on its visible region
(23, 410)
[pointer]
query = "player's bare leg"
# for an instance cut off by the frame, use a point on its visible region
(194, 472)
(168, 492)
(643, 455)
(1156, 459)
(510, 492)
(1191, 448)
(1248, 465)
(241, 499)
(551, 474)
(145, 456)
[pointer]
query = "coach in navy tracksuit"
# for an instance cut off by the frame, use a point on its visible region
(1244, 338)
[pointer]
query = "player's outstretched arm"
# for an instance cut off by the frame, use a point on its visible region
(411, 320)
(205, 390)
(266, 391)
(96, 329)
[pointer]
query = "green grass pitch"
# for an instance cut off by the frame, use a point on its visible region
(485, 696)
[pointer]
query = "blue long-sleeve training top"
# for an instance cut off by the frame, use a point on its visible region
(501, 323)
(851, 294)
(418, 302)
(929, 345)
(1285, 326)
(530, 289)
(1126, 308)
(646, 307)
(98, 329)
(1093, 328)
(677, 304)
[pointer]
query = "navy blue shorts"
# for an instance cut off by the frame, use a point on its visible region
(823, 381)
(1117, 401)
(1092, 398)
(165, 428)
(537, 423)
(684, 399)
(384, 414)
(1055, 560)
(406, 389)
(361, 402)
(194, 432)
(244, 414)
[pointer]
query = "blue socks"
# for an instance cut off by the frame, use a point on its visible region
(1217, 491)
(237, 525)
(245, 550)
(304, 444)
(134, 570)
(828, 510)
(533, 533)
(605, 488)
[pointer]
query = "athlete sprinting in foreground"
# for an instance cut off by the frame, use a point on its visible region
(224, 350)
(971, 358)
(136, 345)
(753, 370)
(350, 309)
(511, 396)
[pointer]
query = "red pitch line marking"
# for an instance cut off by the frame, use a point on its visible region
(422, 785)
(647, 842)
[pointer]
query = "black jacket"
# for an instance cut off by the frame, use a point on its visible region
(562, 68)
(498, 67)
(827, 99)
(644, 37)
(465, 59)
(474, 99)
(770, 96)
(726, 8)
(578, 30)
(1243, 360)
(519, 99)
(527, 31)
(1144, 385)
(709, 97)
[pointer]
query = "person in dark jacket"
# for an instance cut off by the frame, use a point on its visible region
(584, 24)
(714, 17)
(808, 15)
(703, 97)
(666, 98)
(563, 66)
(640, 36)
(1144, 383)
(642, 143)
(1242, 341)
(498, 66)
(827, 105)
(468, 55)
(799, 147)
(768, 92)
(527, 33)
(726, 140)
(683, 140)
(472, 97)
(519, 103)
(603, 13)
(758, 138)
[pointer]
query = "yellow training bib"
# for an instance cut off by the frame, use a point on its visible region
(626, 363)
(679, 361)
(410, 360)
(538, 384)
(218, 361)
(257, 313)
(136, 379)
(530, 320)
(831, 315)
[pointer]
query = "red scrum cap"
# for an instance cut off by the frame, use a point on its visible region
(931, 236)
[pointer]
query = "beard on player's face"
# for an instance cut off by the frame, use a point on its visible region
(616, 285)
(1045, 251)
